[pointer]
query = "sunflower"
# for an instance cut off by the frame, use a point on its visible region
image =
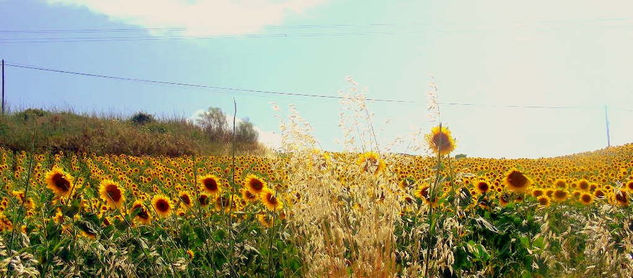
(560, 195)
(162, 205)
(440, 140)
(265, 220)
(185, 199)
(583, 185)
(629, 186)
(504, 199)
(599, 194)
(254, 184)
(210, 184)
(516, 181)
(89, 234)
(59, 217)
(621, 198)
(370, 162)
(270, 200)
(537, 192)
(223, 202)
(142, 215)
(543, 201)
(560, 183)
(204, 200)
(248, 196)
(60, 182)
(482, 187)
(111, 193)
(422, 192)
(190, 253)
(586, 198)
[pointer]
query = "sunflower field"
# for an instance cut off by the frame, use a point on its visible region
(303, 212)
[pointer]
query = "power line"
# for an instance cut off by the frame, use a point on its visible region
(299, 94)
(164, 38)
(176, 33)
(172, 83)
(517, 106)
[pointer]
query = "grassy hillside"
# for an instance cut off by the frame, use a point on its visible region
(44, 131)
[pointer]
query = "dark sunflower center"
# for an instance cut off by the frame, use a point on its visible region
(271, 199)
(586, 198)
(211, 184)
(560, 194)
(113, 192)
(249, 195)
(483, 186)
(599, 194)
(425, 192)
(542, 201)
(517, 179)
(203, 200)
(162, 205)
(621, 197)
(185, 199)
(61, 182)
(583, 185)
(441, 141)
(256, 184)
(537, 193)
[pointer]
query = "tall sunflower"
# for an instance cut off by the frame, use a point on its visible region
(254, 184)
(440, 140)
(162, 205)
(60, 182)
(210, 184)
(112, 193)
(516, 181)
(270, 200)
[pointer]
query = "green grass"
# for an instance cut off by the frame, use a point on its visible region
(52, 131)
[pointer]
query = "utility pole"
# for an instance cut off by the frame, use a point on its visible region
(606, 120)
(2, 86)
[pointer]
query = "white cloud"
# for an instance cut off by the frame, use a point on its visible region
(197, 17)
(270, 139)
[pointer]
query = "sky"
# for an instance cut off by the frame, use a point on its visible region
(572, 56)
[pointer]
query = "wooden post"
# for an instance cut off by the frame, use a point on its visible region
(2, 86)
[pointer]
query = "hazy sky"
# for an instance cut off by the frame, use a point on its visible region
(572, 53)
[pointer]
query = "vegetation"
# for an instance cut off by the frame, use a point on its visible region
(141, 134)
(304, 212)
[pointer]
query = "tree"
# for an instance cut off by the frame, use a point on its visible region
(213, 122)
(245, 132)
(141, 118)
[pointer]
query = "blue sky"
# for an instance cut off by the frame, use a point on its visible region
(489, 53)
